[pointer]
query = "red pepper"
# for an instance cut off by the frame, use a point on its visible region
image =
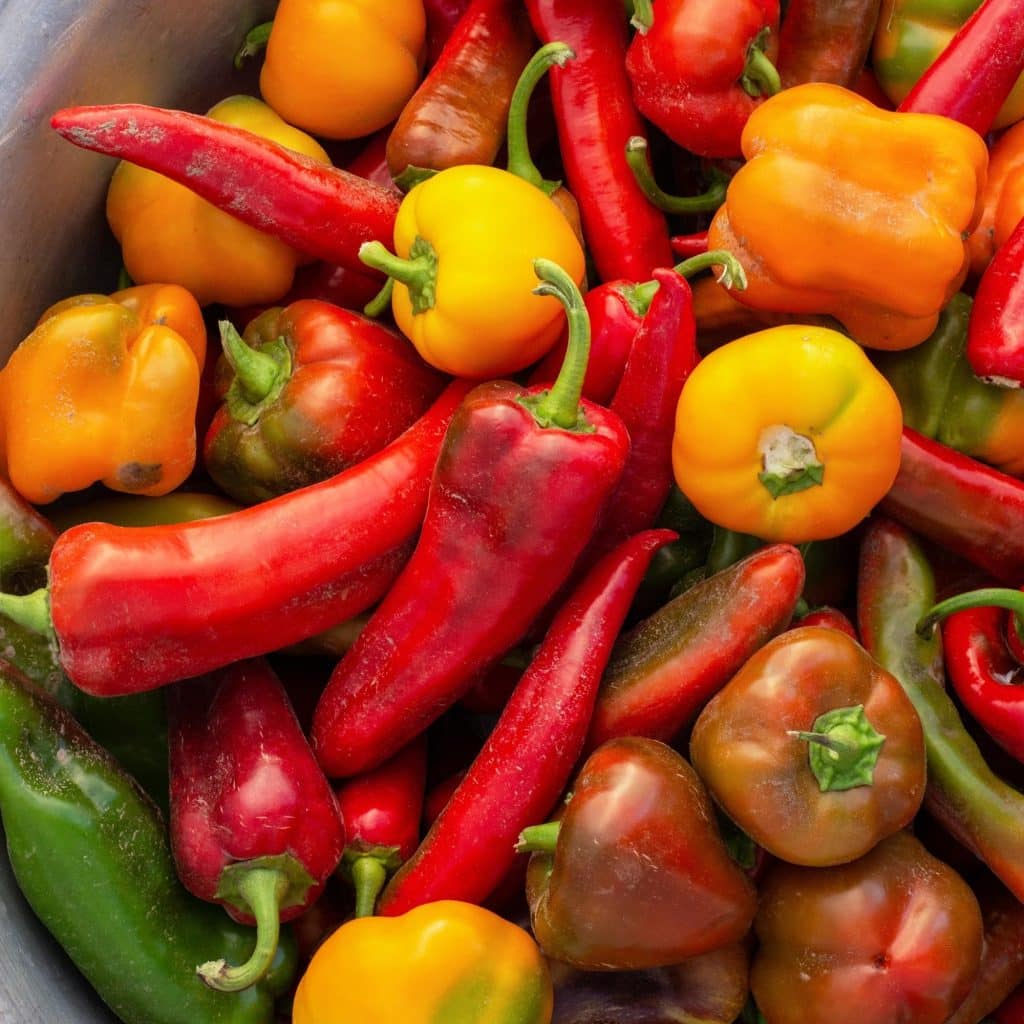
(134, 608)
(371, 162)
(439, 796)
(442, 17)
(320, 210)
(974, 74)
(1011, 1010)
(700, 68)
(528, 758)
(690, 245)
(381, 811)
(971, 509)
(831, 618)
(595, 115)
(826, 40)
(254, 824)
(520, 484)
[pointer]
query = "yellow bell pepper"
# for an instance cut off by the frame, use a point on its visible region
(852, 211)
(105, 388)
(442, 963)
(789, 434)
(343, 68)
(465, 241)
(168, 234)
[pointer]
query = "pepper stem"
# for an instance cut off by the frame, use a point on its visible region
(262, 890)
(790, 461)
(520, 163)
(368, 877)
(706, 202)
(32, 611)
(380, 302)
(760, 76)
(987, 597)
(844, 748)
(539, 838)
(732, 274)
(418, 273)
(643, 16)
(253, 44)
(255, 372)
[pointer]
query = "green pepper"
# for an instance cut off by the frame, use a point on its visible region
(135, 510)
(90, 853)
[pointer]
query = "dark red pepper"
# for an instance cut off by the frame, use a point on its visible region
(371, 162)
(690, 245)
(439, 796)
(442, 17)
(254, 824)
(826, 40)
(1011, 1010)
(517, 778)
(831, 618)
(520, 483)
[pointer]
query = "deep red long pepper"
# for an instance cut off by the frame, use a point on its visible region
(320, 210)
(442, 17)
(520, 483)
(594, 110)
(254, 824)
(528, 758)
(134, 608)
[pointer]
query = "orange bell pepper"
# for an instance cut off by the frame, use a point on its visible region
(105, 388)
(853, 211)
(1002, 200)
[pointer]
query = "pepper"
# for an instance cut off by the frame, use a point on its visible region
(466, 232)
(321, 211)
(129, 510)
(311, 391)
(896, 589)
(446, 961)
(813, 749)
(887, 271)
(169, 234)
(442, 17)
(520, 483)
(635, 874)
(458, 113)
(115, 593)
(595, 115)
(789, 434)
(894, 936)
(1002, 199)
(1011, 1011)
(830, 618)
(826, 41)
(529, 756)
(668, 666)
(116, 907)
(699, 68)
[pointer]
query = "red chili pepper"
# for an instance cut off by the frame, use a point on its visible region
(700, 68)
(971, 509)
(254, 825)
(595, 115)
(974, 74)
(371, 162)
(490, 693)
(831, 618)
(520, 484)
(690, 245)
(320, 210)
(528, 758)
(381, 811)
(134, 608)
(442, 17)
(439, 796)
(1011, 1010)
(826, 40)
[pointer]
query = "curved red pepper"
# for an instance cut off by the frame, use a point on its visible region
(371, 162)
(254, 825)
(831, 618)
(442, 17)
(690, 245)
(528, 758)
(594, 110)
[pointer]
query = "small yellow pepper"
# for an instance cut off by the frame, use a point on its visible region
(168, 234)
(789, 434)
(105, 388)
(342, 69)
(442, 963)
(845, 209)
(466, 240)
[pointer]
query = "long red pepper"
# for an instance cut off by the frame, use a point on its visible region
(254, 824)
(442, 17)
(594, 110)
(971, 509)
(134, 608)
(319, 210)
(520, 484)
(528, 758)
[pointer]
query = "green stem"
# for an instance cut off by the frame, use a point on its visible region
(413, 176)
(254, 43)
(712, 199)
(418, 273)
(760, 76)
(255, 373)
(520, 163)
(643, 16)
(732, 274)
(539, 838)
(124, 279)
(987, 597)
(790, 461)
(381, 301)
(844, 748)
(368, 877)
(31, 611)
(262, 890)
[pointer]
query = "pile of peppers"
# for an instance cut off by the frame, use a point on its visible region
(535, 532)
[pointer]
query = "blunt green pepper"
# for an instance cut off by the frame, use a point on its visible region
(136, 510)
(90, 853)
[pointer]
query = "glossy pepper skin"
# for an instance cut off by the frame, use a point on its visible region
(520, 483)
(885, 274)
(254, 824)
(895, 936)
(447, 961)
(1002, 200)
(826, 41)
(701, 67)
(115, 593)
(761, 746)
(638, 875)
(169, 234)
(343, 70)
(310, 391)
(119, 910)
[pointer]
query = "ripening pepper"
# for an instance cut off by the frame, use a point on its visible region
(1002, 199)
(167, 233)
(867, 217)
(105, 389)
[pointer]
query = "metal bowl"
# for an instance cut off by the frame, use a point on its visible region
(53, 54)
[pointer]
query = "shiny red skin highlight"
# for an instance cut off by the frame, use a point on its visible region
(831, 618)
